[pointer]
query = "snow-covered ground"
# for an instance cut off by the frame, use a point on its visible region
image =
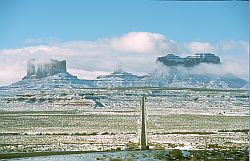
(105, 156)
(171, 101)
(106, 119)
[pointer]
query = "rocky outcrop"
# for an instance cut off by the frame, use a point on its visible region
(53, 74)
(189, 61)
(36, 69)
(120, 75)
(118, 78)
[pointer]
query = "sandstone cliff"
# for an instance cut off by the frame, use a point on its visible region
(38, 70)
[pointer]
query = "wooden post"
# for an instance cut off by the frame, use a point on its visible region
(143, 125)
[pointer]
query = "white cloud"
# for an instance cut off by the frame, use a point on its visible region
(136, 52)
(227, 45)
(86, 74)
(11, 72)
(199, 47)
(143, 42)
(234, 56)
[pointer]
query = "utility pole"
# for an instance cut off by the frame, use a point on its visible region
(143, 125)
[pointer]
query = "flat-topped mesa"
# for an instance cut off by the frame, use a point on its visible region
(120, 74)
(36, 69)
(189, 61)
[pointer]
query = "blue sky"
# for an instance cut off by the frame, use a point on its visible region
(90, 20)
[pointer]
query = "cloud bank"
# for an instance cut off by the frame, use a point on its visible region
(135, 52)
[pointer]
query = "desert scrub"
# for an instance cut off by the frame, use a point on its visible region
(119, 159)
(156, 146)
(175, 154)
(116, 159)
(132, 146)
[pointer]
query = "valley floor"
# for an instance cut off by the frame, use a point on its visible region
(75, 131)
(198, 123)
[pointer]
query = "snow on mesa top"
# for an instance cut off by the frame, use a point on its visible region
(189, 61)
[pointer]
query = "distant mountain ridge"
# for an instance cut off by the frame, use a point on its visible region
(53, 74)
(175, 77)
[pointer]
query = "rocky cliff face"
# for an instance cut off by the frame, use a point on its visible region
(189, 61)
(38, 70)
